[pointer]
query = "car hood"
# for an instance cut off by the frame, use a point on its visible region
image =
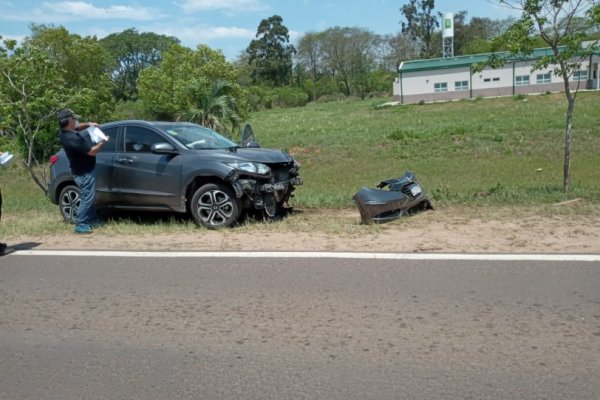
(267, 156)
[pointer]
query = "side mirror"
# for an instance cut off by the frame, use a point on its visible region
(163, 148)
(253, 144)
(247, 139)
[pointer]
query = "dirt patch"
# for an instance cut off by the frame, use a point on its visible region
(432, 231)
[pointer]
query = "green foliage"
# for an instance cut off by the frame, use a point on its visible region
(475, 36)
(420, 23)
(271, 54)
(520, 97)
(257, 97)
(490, 151)
(215, 108)
(263, 97)
(39, 78)
(175, 87)
(85, 78)
(342, 60)
(548, 23)
(485, 153)
(379, 83)
(557, 23)
(129, 53)
(327, 86)
(131, 110)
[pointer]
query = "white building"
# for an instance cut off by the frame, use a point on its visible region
(443, 79)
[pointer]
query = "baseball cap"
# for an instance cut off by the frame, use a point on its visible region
(65, 114)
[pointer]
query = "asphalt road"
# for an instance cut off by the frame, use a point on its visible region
(219, 328)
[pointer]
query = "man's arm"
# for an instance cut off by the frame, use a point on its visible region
(96, 148)
(84, 125)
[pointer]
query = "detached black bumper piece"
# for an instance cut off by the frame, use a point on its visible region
(392, 199)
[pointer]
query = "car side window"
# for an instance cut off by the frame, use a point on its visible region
(111, 145)
(140, 140)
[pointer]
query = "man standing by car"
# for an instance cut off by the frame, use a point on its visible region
(2, 245)
(81, 152)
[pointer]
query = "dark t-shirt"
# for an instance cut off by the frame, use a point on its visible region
(77, 145)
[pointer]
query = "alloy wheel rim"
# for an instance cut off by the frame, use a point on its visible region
(215, 207)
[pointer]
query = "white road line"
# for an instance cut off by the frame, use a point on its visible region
(312, 254)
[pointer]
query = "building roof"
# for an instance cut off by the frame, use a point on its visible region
(466, 61)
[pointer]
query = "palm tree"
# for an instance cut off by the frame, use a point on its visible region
(216, 108)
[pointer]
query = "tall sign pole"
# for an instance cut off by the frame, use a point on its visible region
(448, 35)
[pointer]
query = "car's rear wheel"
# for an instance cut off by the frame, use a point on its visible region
(68, 202)
(215, 206)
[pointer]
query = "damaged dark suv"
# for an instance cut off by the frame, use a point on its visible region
(181, 167)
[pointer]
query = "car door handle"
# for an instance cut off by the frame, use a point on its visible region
(125, 160)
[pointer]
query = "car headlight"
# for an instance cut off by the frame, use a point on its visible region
(252, 168)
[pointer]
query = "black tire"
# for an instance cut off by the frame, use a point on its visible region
(215, 206)
(270, 210)
(68, 202)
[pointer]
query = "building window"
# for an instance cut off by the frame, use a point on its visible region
(544, 78)
(496, 79)
(440, 87)
(581, 75)
(521, 80)
(461, 85)
(487, 80)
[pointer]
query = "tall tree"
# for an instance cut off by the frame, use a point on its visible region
(479, 32)
(309, 61)
(271, 53)
(402, 48)
(130, 52)
(310, 54)
(421, 24)
(553, 21)
(348, 53)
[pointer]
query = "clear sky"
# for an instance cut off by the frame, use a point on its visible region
(228, 25)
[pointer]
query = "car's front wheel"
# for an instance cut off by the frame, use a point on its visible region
(68, 202)
(215, 206)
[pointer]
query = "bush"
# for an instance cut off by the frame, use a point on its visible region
(132, 110)
(260, 97)
(331, 97)
(520, 97)
(288, 97)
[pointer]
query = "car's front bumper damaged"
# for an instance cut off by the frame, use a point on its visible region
(262, 195)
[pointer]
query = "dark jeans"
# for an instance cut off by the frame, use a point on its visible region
(2, 245)
(87, 204)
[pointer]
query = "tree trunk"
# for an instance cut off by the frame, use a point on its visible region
(568, 129)
(568, 140)
(570, 95)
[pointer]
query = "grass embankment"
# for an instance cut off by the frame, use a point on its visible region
(491, 154)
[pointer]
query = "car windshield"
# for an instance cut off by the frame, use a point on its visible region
(197, 137)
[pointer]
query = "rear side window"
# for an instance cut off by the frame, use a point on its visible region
(111, 145)
(140, 140)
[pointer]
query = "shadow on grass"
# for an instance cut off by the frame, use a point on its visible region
(144, 218)
(151, 218)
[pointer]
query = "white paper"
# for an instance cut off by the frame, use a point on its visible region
(96, 134)
(6, 158)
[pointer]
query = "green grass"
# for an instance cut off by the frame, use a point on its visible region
(485, 153)
(509, 150)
